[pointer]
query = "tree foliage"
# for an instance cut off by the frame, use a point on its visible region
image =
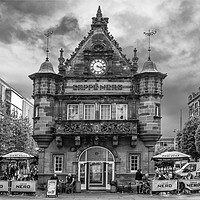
(186, 138)
(197, 139)
(15, 134)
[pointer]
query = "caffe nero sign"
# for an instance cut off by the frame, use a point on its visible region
(85, 87)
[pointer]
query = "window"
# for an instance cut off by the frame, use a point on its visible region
(58, 163)
(134, 163)
(105, 112)
(157, 110)
(72, 112)
(121, 111)
(36, 111)
(89, 112)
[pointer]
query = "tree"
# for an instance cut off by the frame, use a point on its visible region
(197, 139)
(15, 133)
(186, 141)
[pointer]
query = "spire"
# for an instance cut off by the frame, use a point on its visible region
(149, 34)
(135, 58)
(48, 34)
(99, 13)
(99, 21)
(61, 59)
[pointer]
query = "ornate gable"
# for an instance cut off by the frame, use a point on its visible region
(98, 54)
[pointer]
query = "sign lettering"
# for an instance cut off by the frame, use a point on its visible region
(97, 87)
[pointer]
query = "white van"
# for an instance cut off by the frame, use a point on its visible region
(192, 167)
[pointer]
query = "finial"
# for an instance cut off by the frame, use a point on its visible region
(135, 58)
(48, 34)
(149, 34)
(61, 59)
(99, 13)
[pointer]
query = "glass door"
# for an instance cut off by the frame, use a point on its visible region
(96, 175)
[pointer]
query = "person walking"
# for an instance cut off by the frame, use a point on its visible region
(138, 179)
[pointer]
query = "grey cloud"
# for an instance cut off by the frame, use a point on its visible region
(67, 25)
(31, 7)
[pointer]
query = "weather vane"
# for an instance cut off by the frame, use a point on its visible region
(149, 34)
(48, 34)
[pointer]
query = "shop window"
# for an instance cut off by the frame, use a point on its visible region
(121, 111)
(72, 112)
(105, 112)
(157, 110)
(134, 162)
(58, 163)
(89, 112)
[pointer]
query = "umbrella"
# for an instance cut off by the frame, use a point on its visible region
(17, 155)
(171, 155)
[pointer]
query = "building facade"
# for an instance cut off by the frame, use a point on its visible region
(165, 144)
(194, 104)
(14, 102)
(98, 117)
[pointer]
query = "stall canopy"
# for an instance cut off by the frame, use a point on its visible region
(17, 155)
(171, 155)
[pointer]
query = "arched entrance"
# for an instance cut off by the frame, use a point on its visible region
(96, 168)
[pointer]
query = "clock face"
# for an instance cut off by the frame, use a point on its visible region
(98, 66)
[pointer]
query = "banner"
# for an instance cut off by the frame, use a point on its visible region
(51, 188)
(164, 185)
(23, 186)
(192, 184)
(3, 186)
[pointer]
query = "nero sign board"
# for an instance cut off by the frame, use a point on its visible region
(192, 184)
(3, 186)
(23, 186)
(164, 185)
(51, 188)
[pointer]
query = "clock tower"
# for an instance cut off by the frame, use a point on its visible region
(95, 117)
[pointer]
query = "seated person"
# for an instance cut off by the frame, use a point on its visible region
(69, 183)
(189, 176)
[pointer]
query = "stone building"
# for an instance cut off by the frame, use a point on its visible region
(194, 104)
(97, 118)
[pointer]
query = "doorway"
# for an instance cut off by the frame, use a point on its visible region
(96, 168)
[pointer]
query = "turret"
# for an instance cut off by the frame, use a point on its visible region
(150, 82)
(44, 89)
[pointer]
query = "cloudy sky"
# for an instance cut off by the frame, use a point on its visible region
(175, 47)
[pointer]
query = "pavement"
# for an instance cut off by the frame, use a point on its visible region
(99, 196)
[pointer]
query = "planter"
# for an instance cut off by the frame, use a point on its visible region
(78, 186)
(113, 189)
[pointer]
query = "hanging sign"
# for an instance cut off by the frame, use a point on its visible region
(52, 188)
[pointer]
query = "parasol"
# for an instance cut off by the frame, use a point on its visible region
(171, 155)
(17, 155)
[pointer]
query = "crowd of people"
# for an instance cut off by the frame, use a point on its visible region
(20, 172)
(143, 182)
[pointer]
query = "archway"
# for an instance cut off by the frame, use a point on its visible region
(96, 166)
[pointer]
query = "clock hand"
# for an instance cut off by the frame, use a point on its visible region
(99, 66)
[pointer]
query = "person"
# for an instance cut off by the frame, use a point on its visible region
(189, 176)
(69, 183)
(138, 179)
(146, 184)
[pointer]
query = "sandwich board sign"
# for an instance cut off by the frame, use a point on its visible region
(52, 188)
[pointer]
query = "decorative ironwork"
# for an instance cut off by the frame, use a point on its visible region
(149, 34)
(48, 34)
